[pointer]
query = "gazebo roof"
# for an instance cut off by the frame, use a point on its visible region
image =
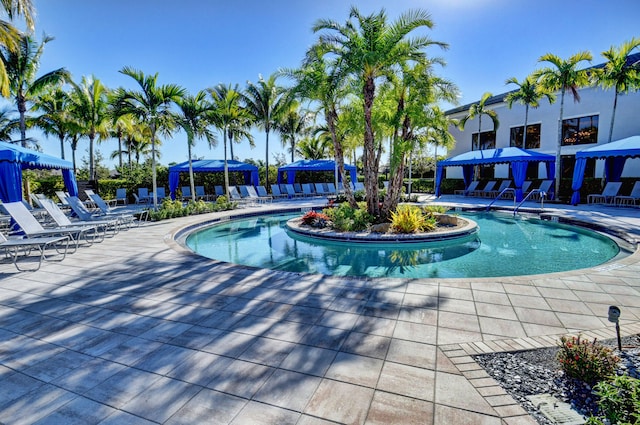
(28, 158)
(496, 156)
(629, 147)
(313, 165)
(212, 165)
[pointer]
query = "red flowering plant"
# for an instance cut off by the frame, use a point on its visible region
(315, 219)
(587, 361)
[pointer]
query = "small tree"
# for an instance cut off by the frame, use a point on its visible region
(529, 95)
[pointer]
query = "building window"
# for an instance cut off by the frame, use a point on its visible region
(487, 140)
(533, 136)
(580, 131)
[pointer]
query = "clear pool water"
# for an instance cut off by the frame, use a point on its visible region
(504, 246)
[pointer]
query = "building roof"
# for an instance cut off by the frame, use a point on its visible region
(499, 98)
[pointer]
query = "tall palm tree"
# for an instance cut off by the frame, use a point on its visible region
(21, 66)
(195, 118)
(89, 105)
(478, 110)
(294, 124)
(233, 120)
(529, 95)
(563, 75)
(266, 102)
(54, 118)
(314, 147)
(151, 104)
(7, 125)
(619, 74)
(322, 80)
(10, 35)
(369, 47)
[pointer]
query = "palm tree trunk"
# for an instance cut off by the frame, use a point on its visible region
(266, 162)
(153, 164)
(226, 166)
(231, 144)
(293, 147)
(61, 137)
(370, 174)
(22, 109)
(119, 148)
(92, 171)
(191, 183)
(613, 114)
(559, 144)
(526, 119)
(331, 117)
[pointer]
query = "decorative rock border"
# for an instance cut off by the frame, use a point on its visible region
(463, 227)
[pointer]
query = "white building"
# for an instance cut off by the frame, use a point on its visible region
(585, 123)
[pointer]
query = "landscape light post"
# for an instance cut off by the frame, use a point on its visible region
(614, 316)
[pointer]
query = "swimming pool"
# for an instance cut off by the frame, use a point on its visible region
(504, 246)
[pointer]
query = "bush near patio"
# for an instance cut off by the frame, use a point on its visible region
(618, 401)
(588, 361)
(171, 209)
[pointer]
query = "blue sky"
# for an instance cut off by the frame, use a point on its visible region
(200, 43)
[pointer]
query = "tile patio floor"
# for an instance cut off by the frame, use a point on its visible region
(136, 331)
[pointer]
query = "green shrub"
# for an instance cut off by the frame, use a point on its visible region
(589, 362)
(407, 219)
(171, 209)
(347, 219)
(439, 209)
(619, 401)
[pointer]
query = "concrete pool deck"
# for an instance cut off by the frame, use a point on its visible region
(135, 331)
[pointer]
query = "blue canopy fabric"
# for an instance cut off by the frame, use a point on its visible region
(212, 166)
(615, 154)
(312, 165)
(517, 158)
(14, 159)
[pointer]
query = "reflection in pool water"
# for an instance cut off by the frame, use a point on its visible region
(504, 246)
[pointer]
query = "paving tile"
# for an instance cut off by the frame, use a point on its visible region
(78, 411)
(321, 336)
(389, 408)
(81, 379)
(15, 385)
(210, 407)
(266, 351)
(131, 351)
(57, 365)
(412, 353)
(123, 418)
(289, 390)
(339, 320)
(240, 378)
(122, 387)
(490, 297)
(425, 316)
(366, 345)
(34, 405)
(463, 322)
(448, 390)
(196, 337)
(310, 420)
(509, 328)
(407, 381)
(340, 402)
(255, 413)
(309, 360)
(230, 344)
(415, 332)
(496, 310)
(161, 399)
(449, 415)
(355, 369)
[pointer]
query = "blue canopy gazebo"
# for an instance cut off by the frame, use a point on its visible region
(249, 171)
(517, 158)
(312, 165)
(14, 159)
(615, 154)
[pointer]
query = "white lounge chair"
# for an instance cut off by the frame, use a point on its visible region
(63, 221)
(32, 228)
(14, 247)
(469, 189)
(105, 212)
(607, 196)
(81, 211)
(630, 199)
